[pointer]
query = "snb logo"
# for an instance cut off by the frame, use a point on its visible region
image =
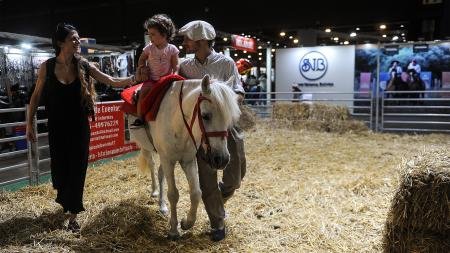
(313, 65)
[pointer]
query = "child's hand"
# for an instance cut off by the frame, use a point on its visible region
(142, 73)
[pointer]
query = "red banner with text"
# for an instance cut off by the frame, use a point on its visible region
(108, 138)
(243, 43)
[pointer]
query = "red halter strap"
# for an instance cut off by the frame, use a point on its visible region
(197, 113)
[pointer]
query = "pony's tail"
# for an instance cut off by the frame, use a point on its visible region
(143, 163)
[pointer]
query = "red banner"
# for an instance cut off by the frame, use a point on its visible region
(243, 43)
(108, 132)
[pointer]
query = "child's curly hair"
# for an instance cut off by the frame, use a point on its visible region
(163, 24)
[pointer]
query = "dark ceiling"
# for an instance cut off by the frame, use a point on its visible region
(120, 21)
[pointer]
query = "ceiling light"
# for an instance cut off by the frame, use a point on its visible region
(346, 42)
(295, 41)
(402, 26)
(357, 28)
(384, 35)
(328, 30)
(403, 34)
(236, 55)
(395, 38)
(180, 47)
(245, 51)
(382, 27)
(249, 56)
(25, 45)
(336, 38)
(290, 37)
(353, 34)
(259, 47)
(273, 50)
(225, 39)
(282, 34)
(260, 58)
(278, 44)
(259, 53)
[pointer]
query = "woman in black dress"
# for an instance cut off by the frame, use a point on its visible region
(68, 95)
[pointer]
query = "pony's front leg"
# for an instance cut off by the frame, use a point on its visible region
(191, 171)
(173, 196)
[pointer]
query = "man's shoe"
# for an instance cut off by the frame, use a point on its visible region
(73, 226)
(217, 234)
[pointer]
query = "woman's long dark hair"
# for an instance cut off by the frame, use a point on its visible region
(88, 94)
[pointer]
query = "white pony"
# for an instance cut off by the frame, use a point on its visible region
(192, 113)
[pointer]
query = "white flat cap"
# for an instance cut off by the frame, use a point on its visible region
(198, 30)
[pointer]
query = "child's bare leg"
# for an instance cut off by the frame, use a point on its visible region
(142, 93)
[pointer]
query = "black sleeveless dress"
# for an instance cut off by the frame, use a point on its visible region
(69, 135)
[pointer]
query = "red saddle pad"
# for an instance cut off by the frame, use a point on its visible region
(152, 100)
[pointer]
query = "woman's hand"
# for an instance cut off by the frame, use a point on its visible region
(31, 136)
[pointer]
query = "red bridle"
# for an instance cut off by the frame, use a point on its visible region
(198, 112)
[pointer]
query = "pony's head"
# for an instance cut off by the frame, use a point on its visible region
(219, 110)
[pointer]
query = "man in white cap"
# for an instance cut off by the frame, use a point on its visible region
(199, 39)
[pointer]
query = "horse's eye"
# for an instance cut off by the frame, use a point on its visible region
(206, 116)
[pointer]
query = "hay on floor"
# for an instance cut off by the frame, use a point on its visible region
(304, 191)
(247, 120)
(419, 218)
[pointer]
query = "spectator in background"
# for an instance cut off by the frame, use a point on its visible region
(396, 68)
(414, 65)
(296, 96)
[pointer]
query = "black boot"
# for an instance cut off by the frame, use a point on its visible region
(217, 234)
(138, 123)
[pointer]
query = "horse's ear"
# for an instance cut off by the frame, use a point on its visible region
(205, 85)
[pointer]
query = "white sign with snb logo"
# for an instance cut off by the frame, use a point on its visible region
(316, 69)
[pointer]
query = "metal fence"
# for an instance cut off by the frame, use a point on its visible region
(412, 111)
(21, 154)
(360, 104)
(430, 113)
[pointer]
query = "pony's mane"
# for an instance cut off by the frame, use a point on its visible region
(222, 94)
(226, 100)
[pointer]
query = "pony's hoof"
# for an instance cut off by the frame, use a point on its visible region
(173, 237)
(164, 211)
(185, 225)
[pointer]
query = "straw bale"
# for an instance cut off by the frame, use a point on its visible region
(419, 218)
(247, 120)
(291, 111)
(327, 112)
(318, 117)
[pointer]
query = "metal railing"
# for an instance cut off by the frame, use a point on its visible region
(427, 114)
(360, 104)
(402, 112)
(27, 157)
